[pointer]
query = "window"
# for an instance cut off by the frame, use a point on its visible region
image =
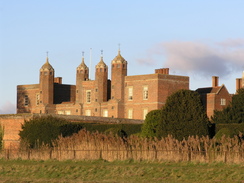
(60, 112)
(88, 112)
(37, 99)
(223, 101)
(145, 111)
(67, 112)
(130, 93)
(88, 96)
(145, 92)
(130, 113)
(105, 113)
(26, 100)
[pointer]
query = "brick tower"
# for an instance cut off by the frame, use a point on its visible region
(46, 83)
(101, 80)
(82, 74)
(119, 71)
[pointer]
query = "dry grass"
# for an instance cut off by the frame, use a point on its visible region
(92, 146)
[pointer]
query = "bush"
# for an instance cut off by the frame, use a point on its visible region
(225, 132)
(183, 115)
(43, 130)
(116, 131)
(151, 123)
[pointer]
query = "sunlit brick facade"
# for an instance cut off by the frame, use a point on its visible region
(121, 97)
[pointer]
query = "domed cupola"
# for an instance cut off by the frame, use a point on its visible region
(101, 64)
(119, 59)
(47, 66)
(82, 66)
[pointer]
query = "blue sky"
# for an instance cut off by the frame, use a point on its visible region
(194, 38)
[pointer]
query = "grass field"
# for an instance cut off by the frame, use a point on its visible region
(118, 171)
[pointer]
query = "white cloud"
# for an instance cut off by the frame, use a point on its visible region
(7, 108)
(199, 58)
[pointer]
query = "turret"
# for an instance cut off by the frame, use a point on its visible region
(46, 83)
(101, 79)
(119, 71)
(82, 74)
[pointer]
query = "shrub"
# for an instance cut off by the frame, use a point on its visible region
(116, 131)
(151, 123)
(227, 132)
(43, 130)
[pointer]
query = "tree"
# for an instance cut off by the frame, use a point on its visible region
(234, 112)
(151, 123)
(183, 115)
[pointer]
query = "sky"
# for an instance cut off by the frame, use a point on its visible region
(194, 38)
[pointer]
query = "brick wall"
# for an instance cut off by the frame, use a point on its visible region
(12, 125)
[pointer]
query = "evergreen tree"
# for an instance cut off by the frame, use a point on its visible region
(183, 115)
(151, 123)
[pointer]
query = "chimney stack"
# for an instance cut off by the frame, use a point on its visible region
(162, 71)
(215, 81)
(238, 83)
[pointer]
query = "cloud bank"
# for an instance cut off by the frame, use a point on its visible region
(7, 108)
(199, 58)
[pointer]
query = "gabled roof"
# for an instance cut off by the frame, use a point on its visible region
(206, 90)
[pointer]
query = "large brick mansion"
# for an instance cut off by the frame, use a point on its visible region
(121, 97)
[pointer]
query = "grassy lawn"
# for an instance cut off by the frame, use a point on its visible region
(118, 171)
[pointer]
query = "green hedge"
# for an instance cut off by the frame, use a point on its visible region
(236, 127)
(128, 128)
(43, 130)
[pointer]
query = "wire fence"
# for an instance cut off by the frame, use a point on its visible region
(116, 154)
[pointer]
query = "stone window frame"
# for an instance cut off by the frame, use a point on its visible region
(144, 113)
(130, 93)
(145, 92)
(88, 96)
(222, 101)
(130, 113)
(37, 99)
(26, 100)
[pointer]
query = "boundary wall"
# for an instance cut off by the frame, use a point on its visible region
(11, 124)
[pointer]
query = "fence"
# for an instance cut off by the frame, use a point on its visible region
(112, 155)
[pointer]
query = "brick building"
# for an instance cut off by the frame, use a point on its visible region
(215, 97)
(121, 97)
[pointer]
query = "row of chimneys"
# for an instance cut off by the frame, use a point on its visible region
(215, 82)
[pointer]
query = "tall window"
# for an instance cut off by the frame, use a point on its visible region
(223, 101)
(26, 100)
(130, 113)
(130, 93)
(37, 99)
(145, 92)
(145, 111)
(88, 96)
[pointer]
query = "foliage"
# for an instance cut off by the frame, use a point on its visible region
(151, 123)
(234, 113)
(237, 127)
(128, 128)
(116, 131)
(227, 132)
(183, 115)
(43, 130)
